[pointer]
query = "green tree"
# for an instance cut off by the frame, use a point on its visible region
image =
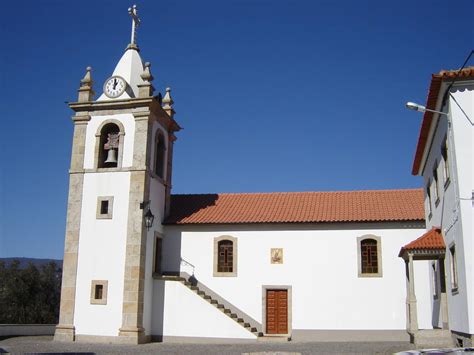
(29, 295)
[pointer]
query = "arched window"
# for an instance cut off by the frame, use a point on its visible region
(109, 146)
(369, 255)
(225, 256)
(160, 150)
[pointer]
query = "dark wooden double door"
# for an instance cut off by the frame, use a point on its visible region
(277, 312)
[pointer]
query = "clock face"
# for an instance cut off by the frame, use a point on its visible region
(114, 86)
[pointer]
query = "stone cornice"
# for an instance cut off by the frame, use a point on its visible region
(133, 105)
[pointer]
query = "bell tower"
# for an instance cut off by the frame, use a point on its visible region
(119, 193)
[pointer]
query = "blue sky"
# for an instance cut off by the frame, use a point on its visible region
(272, 95)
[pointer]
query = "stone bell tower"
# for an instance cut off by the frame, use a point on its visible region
(119, 193)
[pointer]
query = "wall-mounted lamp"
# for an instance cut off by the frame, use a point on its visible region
(148, 216)
(421, 108)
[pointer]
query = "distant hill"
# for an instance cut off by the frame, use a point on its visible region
(24, 262)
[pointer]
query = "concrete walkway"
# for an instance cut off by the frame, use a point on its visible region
(44, 344)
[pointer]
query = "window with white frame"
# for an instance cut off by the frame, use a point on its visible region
(444, 153)
(454, 269)
(436, 183)
(428, 200)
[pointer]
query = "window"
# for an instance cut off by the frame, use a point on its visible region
(104, 207)
(436, 184)
(444, 153)
(428, 201)
(225, 256)
(369, 256)
(160, 150)
(454, 270)
(157, 254)
(99, 292)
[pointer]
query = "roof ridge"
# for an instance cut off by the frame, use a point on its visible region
(297, 192)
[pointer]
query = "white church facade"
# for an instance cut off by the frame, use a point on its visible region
(141, 264)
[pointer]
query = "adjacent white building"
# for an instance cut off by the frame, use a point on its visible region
(444, 157)
(142, 264)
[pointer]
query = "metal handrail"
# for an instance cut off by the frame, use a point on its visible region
(184, 262)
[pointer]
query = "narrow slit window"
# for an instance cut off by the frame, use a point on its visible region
(454, 270)
(436, 184)
(444, 153)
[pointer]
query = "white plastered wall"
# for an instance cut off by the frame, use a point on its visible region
(320, 263)
(101, 254)
(454, 215)
(188, 315)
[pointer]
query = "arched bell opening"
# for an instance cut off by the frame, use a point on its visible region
(109, 146)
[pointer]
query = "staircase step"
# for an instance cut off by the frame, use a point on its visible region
(207, 297)
(227, 311)
(194, 288)
(201, 293)
(214, 302)
(247, 325)
(240, 320)
(253, 329)
(220, 305)
(233, 315)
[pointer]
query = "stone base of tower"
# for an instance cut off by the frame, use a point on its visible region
(65, 332)
(133, 336)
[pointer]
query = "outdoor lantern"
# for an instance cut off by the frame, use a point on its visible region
(149, 219)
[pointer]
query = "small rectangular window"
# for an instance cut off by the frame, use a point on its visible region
(99, 292)
(104, 207)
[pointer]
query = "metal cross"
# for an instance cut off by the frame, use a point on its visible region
(135, 22)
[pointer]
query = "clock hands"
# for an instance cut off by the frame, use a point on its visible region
(115, 83)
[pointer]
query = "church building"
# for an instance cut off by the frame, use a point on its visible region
(142, 264)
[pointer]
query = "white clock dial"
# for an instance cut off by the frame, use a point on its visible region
(114, 86)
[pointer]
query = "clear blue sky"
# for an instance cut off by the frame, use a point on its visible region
(272, 95)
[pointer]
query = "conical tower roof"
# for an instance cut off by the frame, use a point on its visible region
(129, 67)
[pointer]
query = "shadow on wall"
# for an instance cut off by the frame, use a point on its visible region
(184, 206)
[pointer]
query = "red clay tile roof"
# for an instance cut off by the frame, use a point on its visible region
(298, 207)
(430, 240)
(433, 93)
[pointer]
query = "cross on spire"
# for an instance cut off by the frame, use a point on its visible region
(135, 22)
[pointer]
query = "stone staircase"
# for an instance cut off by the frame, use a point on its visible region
(432, 338)
(217, 302)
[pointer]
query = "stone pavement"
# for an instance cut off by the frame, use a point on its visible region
(44, 344)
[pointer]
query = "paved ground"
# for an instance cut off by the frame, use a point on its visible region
(44, 344)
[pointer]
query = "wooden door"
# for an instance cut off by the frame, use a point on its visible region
(277, 312)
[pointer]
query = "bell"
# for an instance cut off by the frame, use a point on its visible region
(111, 156)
